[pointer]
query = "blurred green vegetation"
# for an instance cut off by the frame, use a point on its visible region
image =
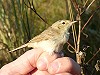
(18, 24)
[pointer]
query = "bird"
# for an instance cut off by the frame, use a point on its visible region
(52, 39)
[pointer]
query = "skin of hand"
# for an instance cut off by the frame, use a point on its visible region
(38, 62)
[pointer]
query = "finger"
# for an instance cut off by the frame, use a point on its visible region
(24, 64)
(64, 64)
(38, 72)
(64, 74)
(44, 60)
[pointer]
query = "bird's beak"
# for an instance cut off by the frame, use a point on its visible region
(73, 22)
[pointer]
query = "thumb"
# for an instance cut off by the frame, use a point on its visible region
(24, 64)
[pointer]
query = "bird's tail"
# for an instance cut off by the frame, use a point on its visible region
(23, 46)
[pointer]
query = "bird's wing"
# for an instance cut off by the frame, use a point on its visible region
(48, 34)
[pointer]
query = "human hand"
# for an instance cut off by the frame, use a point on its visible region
(37, 62)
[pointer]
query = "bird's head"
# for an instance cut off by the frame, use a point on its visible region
(63, 25)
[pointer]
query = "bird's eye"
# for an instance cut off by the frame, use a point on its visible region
(63, 22)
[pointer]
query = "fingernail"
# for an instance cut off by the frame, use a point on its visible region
(42, 64)
(54, 67)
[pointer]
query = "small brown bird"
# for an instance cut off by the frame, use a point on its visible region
(52, 39)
